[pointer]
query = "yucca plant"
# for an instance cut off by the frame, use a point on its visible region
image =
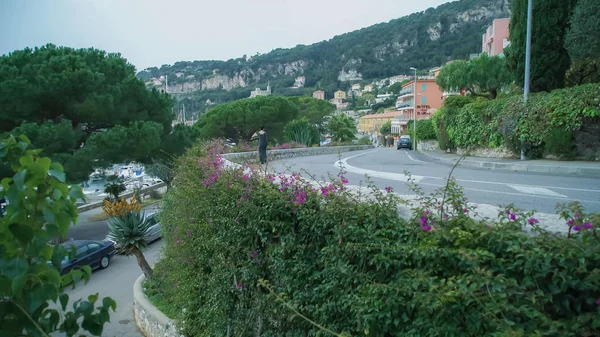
(128, 231)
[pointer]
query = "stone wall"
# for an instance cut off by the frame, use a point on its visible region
(252, 157)
(150, 320)
(486, 153)
(428, 145)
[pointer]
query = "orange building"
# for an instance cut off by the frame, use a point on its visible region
(428, 94)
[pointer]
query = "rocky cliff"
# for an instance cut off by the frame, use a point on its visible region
(423, 40)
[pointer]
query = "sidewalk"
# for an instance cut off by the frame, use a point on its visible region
(583, 168)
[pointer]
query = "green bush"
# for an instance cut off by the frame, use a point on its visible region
(386, 128)
(584, 71)
(364, 141)
(508, 122)
(425, 130)
(560, 143)
(301, 131)
(247, 253)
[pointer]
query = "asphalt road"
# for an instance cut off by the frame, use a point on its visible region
(386, 166)
(116, 282)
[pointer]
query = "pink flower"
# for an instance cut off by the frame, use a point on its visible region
(239, 285)
(507, 212)
(388, 189)
(513, 216)
(570, 222)
(598, 301)
(344, 180)
(577, 228)
(237, 220)
(465, 210)
(588, 225)
(532, 221)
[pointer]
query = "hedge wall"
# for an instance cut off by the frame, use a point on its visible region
(245, 256)
(566, 116)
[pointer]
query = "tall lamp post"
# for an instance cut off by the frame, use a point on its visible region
(527, 60)
(415, 104)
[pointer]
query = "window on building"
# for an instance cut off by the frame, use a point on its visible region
(424, 87)
(423, 100)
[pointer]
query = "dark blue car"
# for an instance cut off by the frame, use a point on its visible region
(96, 254)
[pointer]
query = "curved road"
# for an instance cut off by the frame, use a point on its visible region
(386, 166)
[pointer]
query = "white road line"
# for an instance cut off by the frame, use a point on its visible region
(517, 194)
(536, 191)
(372, 173)
(413, 159)
(505, 184)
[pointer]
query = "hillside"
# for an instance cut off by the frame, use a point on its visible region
(423, 40)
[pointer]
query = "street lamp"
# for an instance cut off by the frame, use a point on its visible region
(415, 104)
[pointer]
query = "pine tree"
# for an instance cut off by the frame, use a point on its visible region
(549, 57)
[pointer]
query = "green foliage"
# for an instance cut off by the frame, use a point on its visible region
(386, 128)
(582, 39)
(584, 71)
(560, 143)
(342, 128)
(549, 57)
(63, 98)
(508, 122)
(114, 187)
(325, 260)
(41, 206)
(396, 87)
(364, 141)
(425, 130)
(483, 76)
(129, 231)
(384, 50)
(301, 131)
(239, 120)
(315, 110)
(163, 171)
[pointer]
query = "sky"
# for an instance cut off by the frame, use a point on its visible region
(154, 32)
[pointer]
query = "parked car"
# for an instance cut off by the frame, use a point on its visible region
(96, 254)
(154, 232)
(404, 143)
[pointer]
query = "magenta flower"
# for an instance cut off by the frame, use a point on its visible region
(532, 221)
(427, 212)
(598, 301)
(513, 216)
(588, 225)
(507, 212)
(344, 181)
(446, 216)
(388, 189)
(577, 228)
(570, 222)
(239, 285)
(465, 210)
(426, 228)
(188, 232)
(237, 220)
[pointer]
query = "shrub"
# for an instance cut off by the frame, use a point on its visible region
(364, 141)
(386, 128)
(351, 265)
(40, 206)
(122, 207)
(301, 131)
(560, 143)
(584, 71)
(155, 194)
(425, 130)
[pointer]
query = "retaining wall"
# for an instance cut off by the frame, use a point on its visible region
(252, 157)
(127, 195)
(150, 320)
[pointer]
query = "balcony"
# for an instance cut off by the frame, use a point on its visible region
(406, 92)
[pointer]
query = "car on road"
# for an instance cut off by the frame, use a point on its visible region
(404, 143)
(93, 253)
(154, 232)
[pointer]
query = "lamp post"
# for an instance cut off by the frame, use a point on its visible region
(527, 61)
(415, 104)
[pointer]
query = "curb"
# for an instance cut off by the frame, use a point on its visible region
(151, 321)
(533, 168)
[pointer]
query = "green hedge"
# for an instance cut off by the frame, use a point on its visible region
(508, 122)
(353, 266)
(425, 129)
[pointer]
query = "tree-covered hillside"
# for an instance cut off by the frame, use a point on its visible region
(423, 40)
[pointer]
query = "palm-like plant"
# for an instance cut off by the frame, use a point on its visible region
(128, 231)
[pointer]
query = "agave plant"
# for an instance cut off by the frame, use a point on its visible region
(128, 231)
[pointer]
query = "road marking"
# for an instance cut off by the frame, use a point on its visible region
(372, 173)
(535, 190)
(504, 184)
(517, 194)
(413, 159)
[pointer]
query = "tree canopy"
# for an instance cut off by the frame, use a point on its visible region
(342, 128)
(582, 39)
(84, 106)
(239, 120)
(482, 76)
(549, 57)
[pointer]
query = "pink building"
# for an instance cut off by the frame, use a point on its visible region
(496, 37)
(319, 94)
